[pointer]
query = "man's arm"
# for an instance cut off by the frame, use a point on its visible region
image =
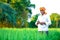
(42, 23)
(38, 22)
(48, 21)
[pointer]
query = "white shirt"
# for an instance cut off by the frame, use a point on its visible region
(43, 18)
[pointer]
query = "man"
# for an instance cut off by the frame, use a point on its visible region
(43, 21)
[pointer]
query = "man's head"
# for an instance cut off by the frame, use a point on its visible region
(42, 10)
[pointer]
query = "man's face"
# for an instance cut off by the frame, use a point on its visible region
(42, 12)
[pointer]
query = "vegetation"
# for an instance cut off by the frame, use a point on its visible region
(28, 34)
(16, 12)
(55, 20)
(33, 20)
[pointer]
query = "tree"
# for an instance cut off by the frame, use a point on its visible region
(33, 20)
(22, 8)
(7, 14)
(55, 19)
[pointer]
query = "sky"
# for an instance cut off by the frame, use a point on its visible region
(52, 6)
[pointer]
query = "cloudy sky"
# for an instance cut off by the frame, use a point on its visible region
(52, 6)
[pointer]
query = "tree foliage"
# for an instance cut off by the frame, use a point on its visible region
(7, 14)
(55, 18)
(16, 11)
(33, 20)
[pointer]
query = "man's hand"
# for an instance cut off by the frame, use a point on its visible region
(38, 22)
(42, 23)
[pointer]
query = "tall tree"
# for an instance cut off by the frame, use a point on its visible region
(22, 8)
(7, 13)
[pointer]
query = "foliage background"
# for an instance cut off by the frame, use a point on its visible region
(14, 13)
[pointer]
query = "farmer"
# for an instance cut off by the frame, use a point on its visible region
(43, 21)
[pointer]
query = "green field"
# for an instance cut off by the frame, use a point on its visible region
(28, 34)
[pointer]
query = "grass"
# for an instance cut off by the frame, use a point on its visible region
(28, 34)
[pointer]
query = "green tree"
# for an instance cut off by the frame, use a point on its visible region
(22, 8)
(33, 20)
(7, 14)
(55, 18)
